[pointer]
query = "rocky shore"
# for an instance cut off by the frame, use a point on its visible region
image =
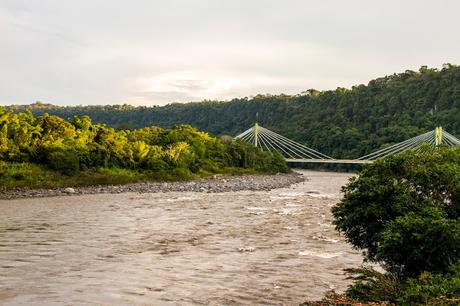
(210, 185)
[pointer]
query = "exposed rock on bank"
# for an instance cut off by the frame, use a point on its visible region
(216, 184)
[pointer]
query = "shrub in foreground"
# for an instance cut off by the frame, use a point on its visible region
(403, 213)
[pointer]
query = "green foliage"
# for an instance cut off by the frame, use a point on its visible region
(65, 162)
(433, 289)
(341, 123)
(243, 155)
(370, 285)
(23, 174)
(28, 175)
(404, 211)
(433, 240)
(408, 199)
(426, 289)
(69, 147)
(331, 298)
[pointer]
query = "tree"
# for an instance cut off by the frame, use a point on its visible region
(69, 147)
(403, 211)
(386, 111)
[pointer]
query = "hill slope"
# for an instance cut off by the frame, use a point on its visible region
(343, 123)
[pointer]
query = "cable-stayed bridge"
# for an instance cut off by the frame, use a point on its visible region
(298, 153)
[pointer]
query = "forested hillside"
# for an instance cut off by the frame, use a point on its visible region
(342, 123)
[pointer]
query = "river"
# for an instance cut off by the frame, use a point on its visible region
(178, 248)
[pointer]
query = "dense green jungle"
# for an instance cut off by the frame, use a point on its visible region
(48, 151)
(342, 123)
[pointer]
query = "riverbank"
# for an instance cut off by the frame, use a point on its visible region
(209, 185)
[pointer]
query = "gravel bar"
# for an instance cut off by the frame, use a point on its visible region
(210, 185)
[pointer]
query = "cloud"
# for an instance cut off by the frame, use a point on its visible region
(155, 52)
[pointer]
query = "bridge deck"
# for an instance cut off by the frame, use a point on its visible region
(330, 161)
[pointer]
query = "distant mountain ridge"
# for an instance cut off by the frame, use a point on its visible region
(342, 123)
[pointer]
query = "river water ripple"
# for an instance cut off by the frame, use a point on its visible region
(267, 248)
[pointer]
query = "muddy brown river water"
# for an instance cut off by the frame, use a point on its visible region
(179, 248)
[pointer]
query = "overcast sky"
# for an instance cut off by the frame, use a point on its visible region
(146, 52)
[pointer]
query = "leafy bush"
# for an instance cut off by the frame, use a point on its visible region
(408, 199)
(427, 289)
(66, 162)
(370, 285)
(433, 289)
(403, 212)
(332, 298)
(414, 243)
(243, 155)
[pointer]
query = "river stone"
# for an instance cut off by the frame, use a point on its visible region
(254, 183)
(69, 190)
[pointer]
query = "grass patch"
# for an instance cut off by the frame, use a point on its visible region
(33, 176)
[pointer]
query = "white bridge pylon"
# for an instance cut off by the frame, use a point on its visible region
(298, 153)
